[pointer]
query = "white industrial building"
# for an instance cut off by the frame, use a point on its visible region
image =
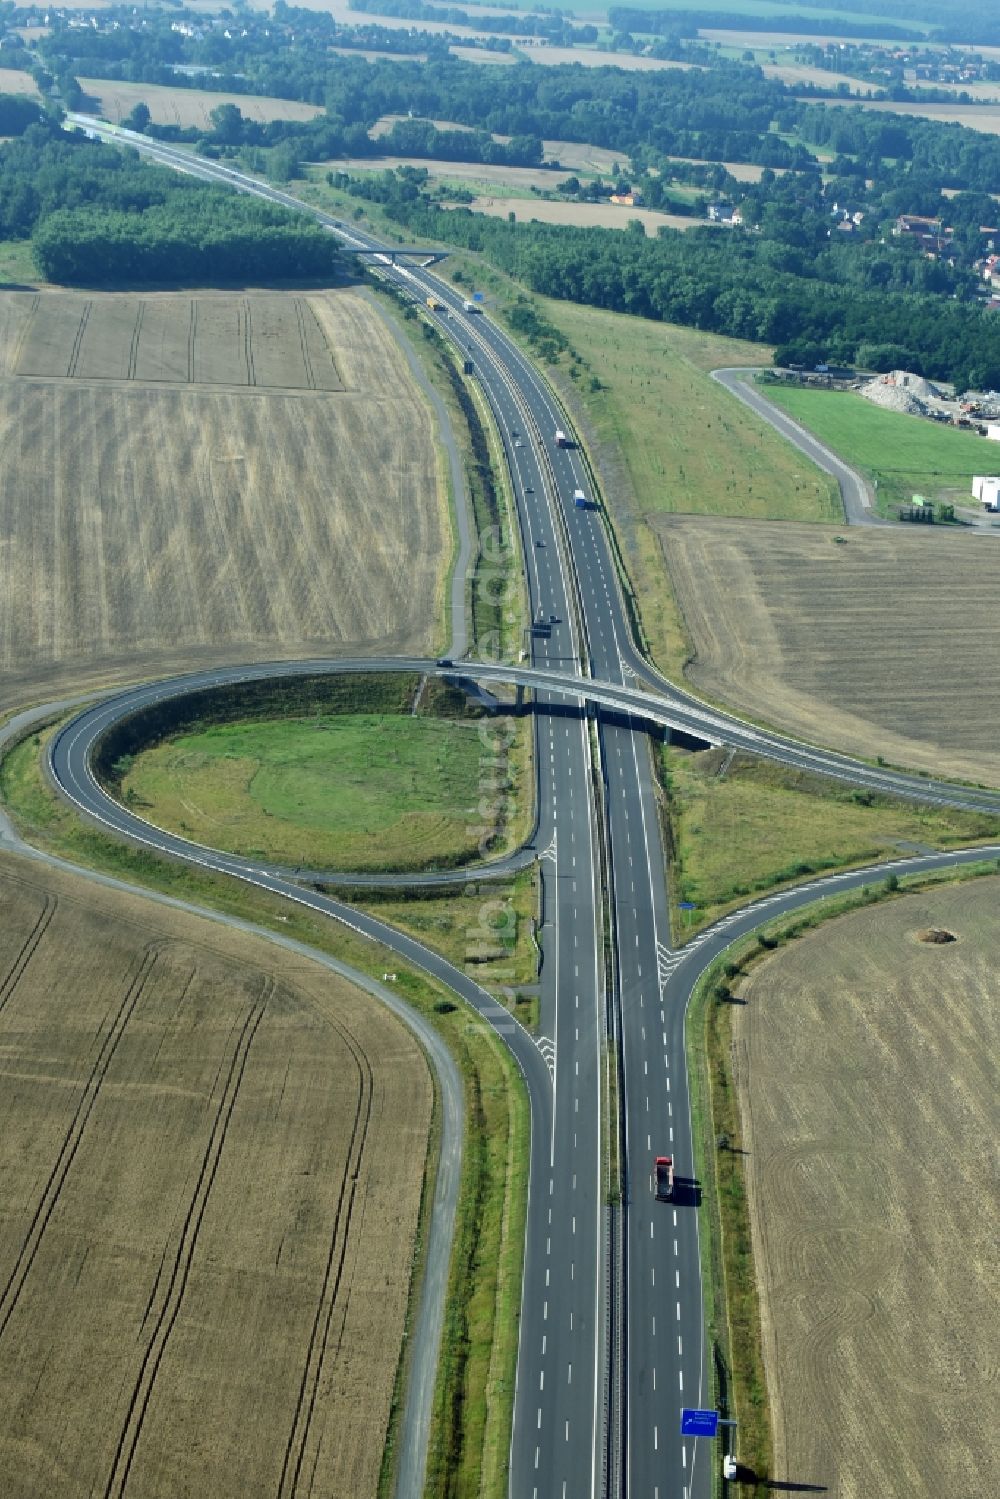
(987, 491)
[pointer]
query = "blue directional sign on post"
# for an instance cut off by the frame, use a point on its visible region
(478, 296)
(699, 1423)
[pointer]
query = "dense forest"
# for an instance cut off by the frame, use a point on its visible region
(99, 216)
(748, 287)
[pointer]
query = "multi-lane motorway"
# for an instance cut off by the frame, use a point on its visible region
(612, 1336)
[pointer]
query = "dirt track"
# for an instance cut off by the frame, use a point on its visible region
(205, 1236)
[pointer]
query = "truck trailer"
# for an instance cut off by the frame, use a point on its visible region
(663, 1168)
(471, 307)
(579, 499)
(562, 441)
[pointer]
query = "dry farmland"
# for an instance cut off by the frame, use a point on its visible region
(186, 479)
(205, 1234)
(581, 215)
(188, 106)
(867, 1064)
(884, 644)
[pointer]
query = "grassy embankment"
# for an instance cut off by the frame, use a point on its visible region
(906, 455)
(666, 439)
(349, 790)
(17, 263)
(737, 827)
(496, 599)
(474, 1393)
(732, 1308)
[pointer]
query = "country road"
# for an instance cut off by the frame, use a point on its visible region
(855, 493)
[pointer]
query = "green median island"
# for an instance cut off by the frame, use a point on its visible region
(740, 826)
(906, 454)
(435, 785)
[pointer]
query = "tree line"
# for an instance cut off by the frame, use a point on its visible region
(744, 286)
(97, 215)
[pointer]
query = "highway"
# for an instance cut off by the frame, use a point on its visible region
(612, 1336)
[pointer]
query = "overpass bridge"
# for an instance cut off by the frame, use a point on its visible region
(391, 254)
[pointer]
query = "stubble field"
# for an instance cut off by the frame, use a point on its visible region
(581, 215)
(205, 1233)
(883, 644)
(188, 106)
(187, 479)
(867, 1069)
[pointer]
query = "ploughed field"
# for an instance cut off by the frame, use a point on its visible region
(867, 1068)
(185, 479)
(882, 643)
(206, 1231)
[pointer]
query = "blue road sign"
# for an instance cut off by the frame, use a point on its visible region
(479, 296)
(699, 1423)
(686, 905)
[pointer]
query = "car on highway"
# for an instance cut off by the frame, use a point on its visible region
(445, 661)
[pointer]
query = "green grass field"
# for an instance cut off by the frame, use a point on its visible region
(687, 444)
(907, 454)
(17, 264)
(343, 791)
(742, 829)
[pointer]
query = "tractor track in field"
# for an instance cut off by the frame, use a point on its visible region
(173, 1293)
(298, 1439)
(28, 949)
(46, 1204)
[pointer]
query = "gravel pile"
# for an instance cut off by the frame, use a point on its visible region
(901, 391)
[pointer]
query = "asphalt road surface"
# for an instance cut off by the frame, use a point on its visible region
(607, 1357)
(855, 493)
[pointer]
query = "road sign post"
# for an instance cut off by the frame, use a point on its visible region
(697, 1423)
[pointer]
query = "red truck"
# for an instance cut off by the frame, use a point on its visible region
(664, 1169)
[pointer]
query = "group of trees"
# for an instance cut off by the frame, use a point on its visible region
(724, 112)
(204, 239)
(100, 216)
(745, 286)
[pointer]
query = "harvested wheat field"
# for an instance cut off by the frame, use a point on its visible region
(581, 215)
(881, 644)
(205, 1235)
(867, 1067)
(193, 478)
(188, 106)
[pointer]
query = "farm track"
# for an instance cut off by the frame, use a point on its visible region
(298, 1439)
(71, 1140)
(304, 345)
(172, 1295)
(74, 354)
(133, 353)
(31, 943)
